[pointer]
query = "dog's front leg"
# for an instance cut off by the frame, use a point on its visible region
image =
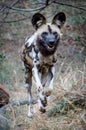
(51, 79)
(28, 81)
(42, 102)
(36, 77)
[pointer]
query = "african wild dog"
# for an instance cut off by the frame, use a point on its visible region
(40, 55)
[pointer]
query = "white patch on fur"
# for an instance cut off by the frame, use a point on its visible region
(41, 94)
(30, 110)
(36, 77)
(26, 85)
(35, 69)
(51, 82)
(30, 41)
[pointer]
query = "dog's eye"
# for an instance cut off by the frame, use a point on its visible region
(55, 33)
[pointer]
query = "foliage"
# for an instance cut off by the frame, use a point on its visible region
(1, 42)
(77, 38)
(4, 73)
(71, 100)
(2, 57)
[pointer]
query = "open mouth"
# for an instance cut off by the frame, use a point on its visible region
(50, 47)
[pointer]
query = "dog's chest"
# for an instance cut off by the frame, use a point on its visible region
(47, 60)
(42, 60)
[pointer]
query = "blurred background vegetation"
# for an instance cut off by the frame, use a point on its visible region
(15, 26)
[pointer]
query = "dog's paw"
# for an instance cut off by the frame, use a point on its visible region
(30, 114)
(42, 110)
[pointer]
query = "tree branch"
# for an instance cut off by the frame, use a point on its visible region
(11, 5)
(17, 103)
(26, 10)
(10, 21)
(73, 6)
(44, 5)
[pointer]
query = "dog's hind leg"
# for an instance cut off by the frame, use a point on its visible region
(28, 81)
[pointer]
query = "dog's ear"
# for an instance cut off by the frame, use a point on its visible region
(59, 19)
(38, 20)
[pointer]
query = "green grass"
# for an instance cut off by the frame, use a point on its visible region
(2, 57)
(5, 72)
(77, 19)
(77, 38)
(1, 42)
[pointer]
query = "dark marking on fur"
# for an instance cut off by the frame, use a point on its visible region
(54, 59)
(49, 29)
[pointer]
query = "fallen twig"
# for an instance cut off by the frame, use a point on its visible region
(16, 103)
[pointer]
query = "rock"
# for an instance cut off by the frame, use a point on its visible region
(4, 123)
(4, 96)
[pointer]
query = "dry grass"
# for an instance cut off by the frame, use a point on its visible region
(71, 81)
(70, 78)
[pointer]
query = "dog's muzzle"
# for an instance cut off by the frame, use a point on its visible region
(49, 41)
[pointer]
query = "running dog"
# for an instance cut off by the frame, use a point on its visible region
(40, 55)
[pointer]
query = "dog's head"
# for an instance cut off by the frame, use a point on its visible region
(48, 34)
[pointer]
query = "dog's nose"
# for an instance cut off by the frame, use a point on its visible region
(51, 42)
(51, 39)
